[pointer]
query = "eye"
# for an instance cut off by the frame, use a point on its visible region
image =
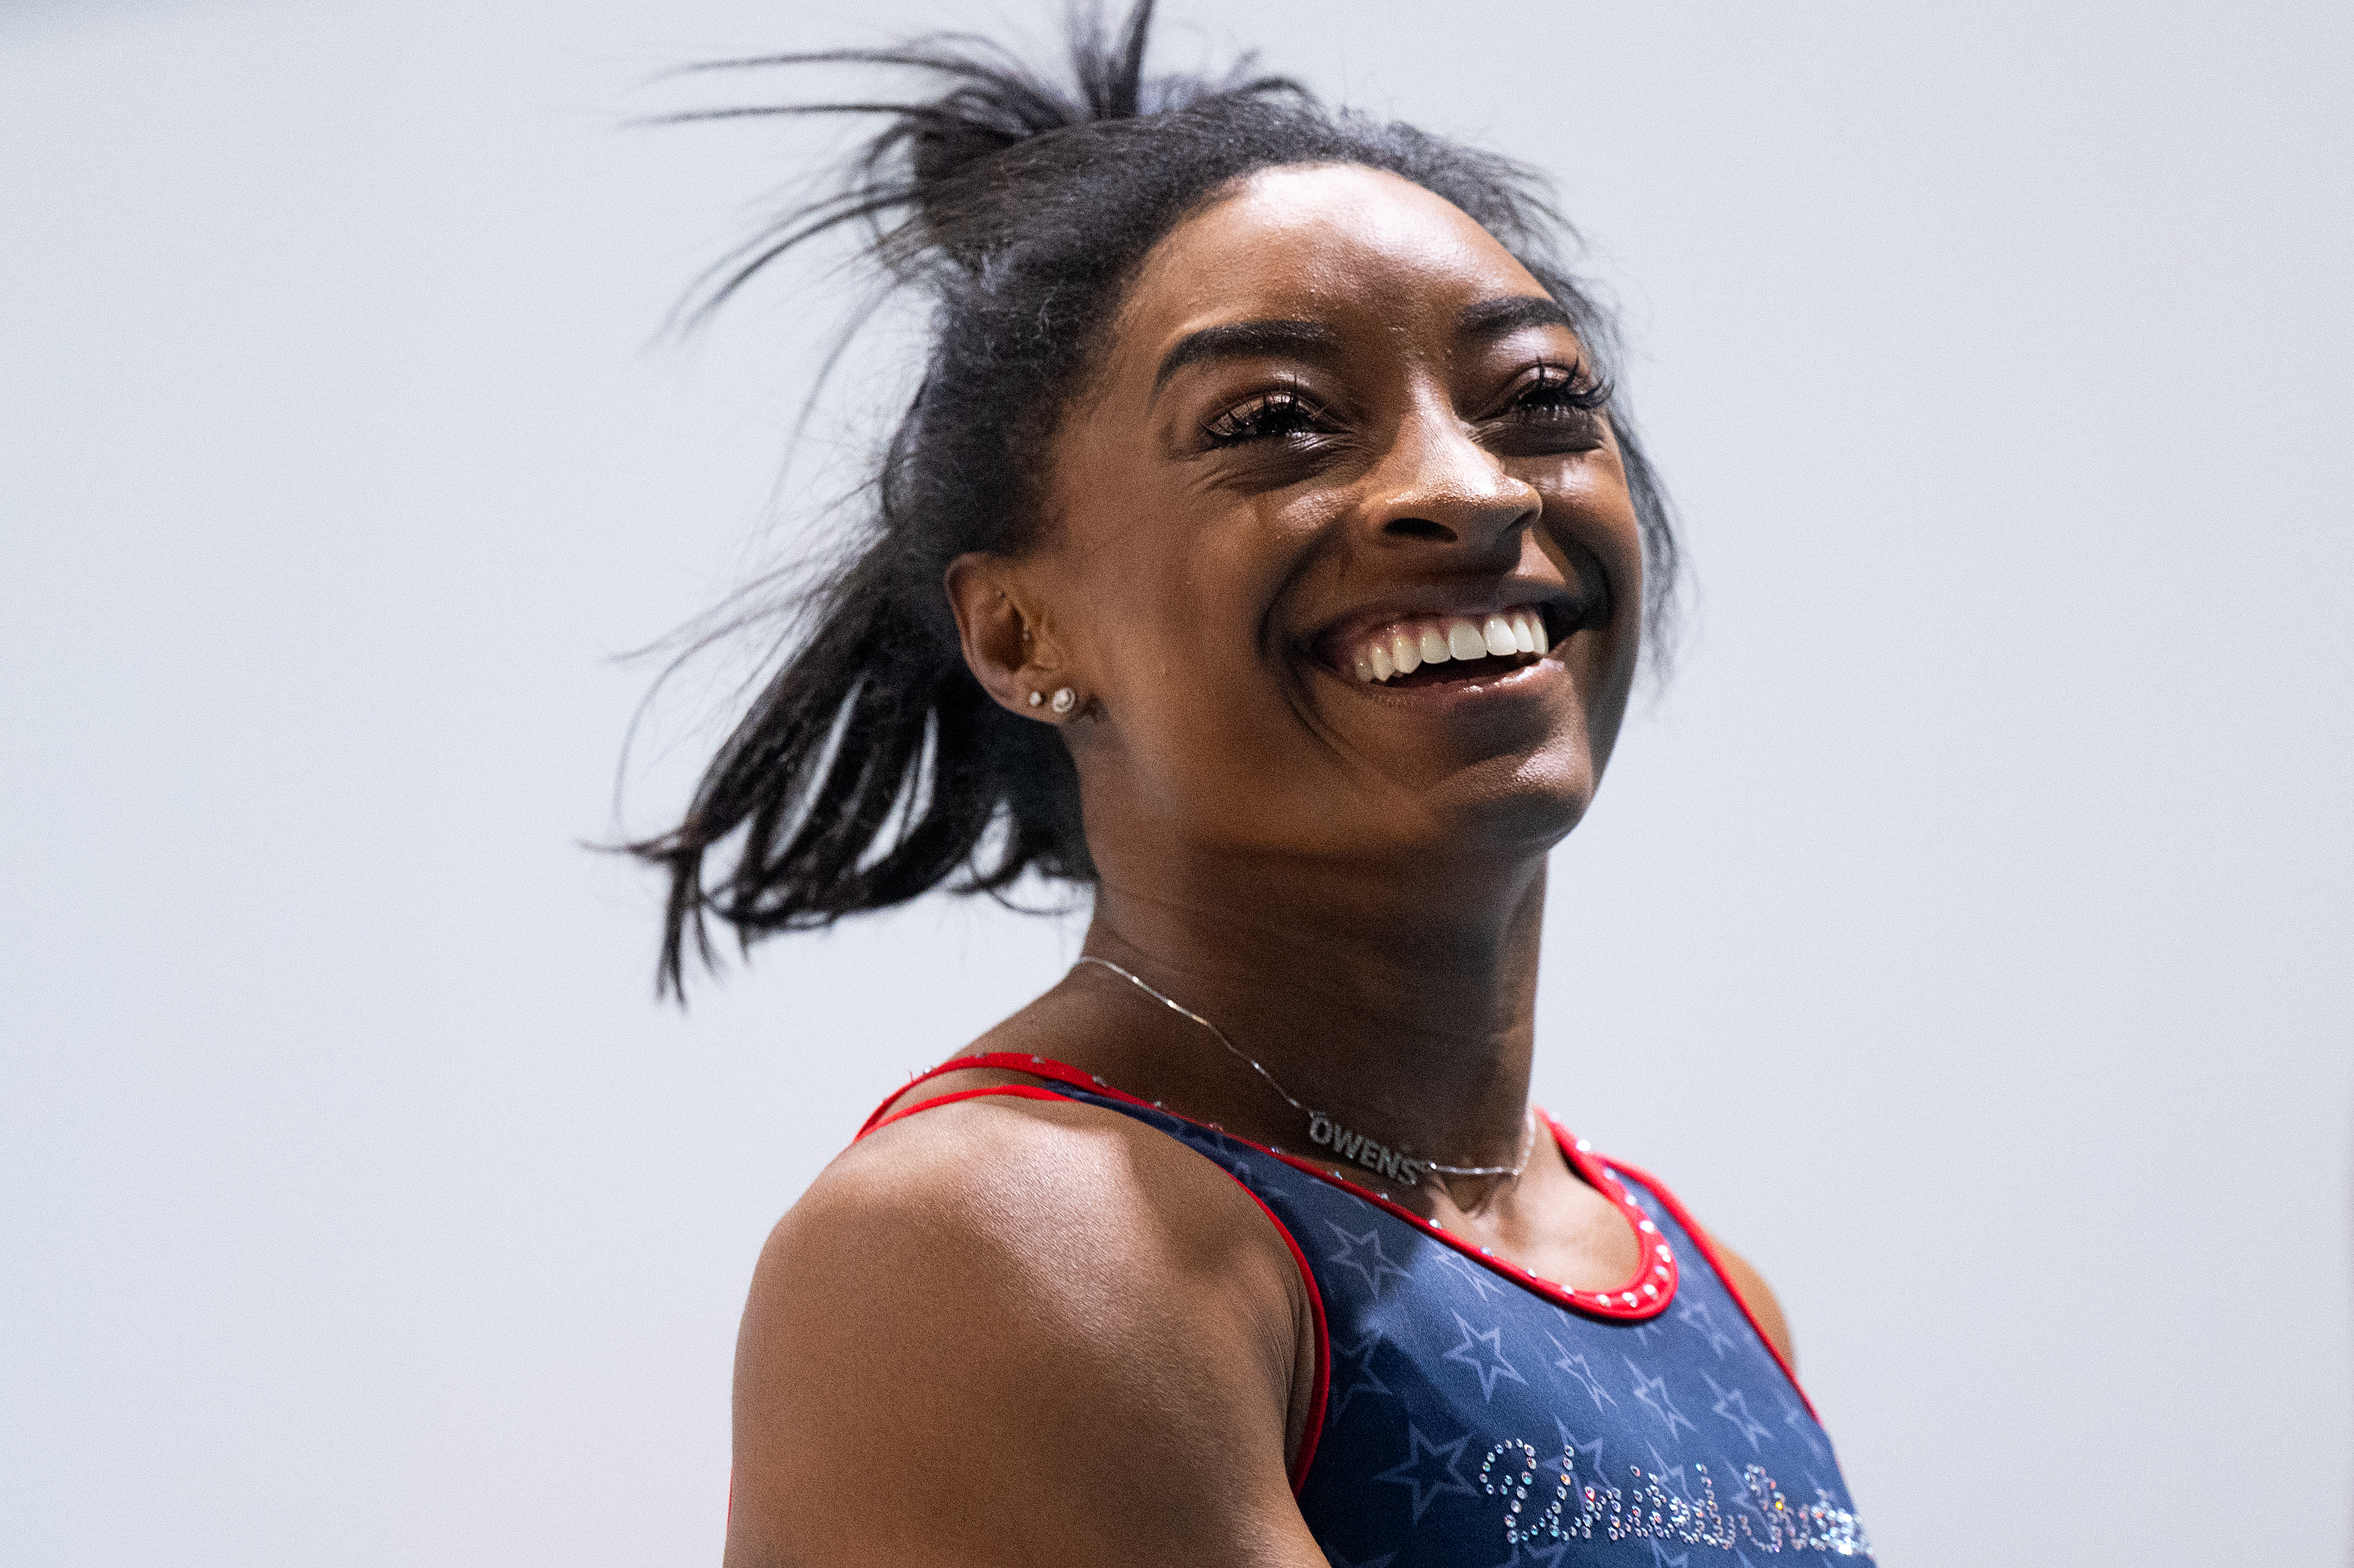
(1550, 411)
(1270, 415)
(1560, 395)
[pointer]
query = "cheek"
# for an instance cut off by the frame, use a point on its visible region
(1187, 599)
(1589, 502)
(1590, 526)
(1209, 723)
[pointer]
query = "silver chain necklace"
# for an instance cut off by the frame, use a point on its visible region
(1325, 1130)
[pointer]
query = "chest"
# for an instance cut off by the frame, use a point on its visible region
(1469, 1420)
(1472, 1417)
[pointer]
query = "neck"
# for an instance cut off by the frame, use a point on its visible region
(1401, 1005)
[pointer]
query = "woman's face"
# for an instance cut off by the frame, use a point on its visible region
(1346, 564)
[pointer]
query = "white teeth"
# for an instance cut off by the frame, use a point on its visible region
(1405, 651)
(1402, 650)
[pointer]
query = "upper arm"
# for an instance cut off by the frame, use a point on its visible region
(1758, 1296)
(1010, 1332)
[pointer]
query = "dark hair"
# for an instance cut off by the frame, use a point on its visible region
(871, 766)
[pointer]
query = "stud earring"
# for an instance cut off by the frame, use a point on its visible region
(1064, 699)
(1037, 697)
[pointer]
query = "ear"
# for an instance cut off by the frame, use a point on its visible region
(1007, 645)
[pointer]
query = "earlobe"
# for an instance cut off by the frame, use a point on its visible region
(1006, 642)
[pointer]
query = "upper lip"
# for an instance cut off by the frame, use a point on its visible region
(1442, 599)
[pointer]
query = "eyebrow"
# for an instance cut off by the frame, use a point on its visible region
(1243, 340)
(1511, 313)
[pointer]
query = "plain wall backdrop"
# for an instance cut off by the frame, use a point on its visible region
(1964, 932)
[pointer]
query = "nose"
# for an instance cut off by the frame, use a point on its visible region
(1438, 486)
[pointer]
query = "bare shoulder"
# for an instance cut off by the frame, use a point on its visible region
(1758, 1296)
(1018, 1330)
(1069, 1192)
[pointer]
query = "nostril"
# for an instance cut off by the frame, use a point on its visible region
(1418, 528)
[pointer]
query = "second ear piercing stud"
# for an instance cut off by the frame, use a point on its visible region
(1036, 698)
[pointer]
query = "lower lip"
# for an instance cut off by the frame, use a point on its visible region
(1528, 681)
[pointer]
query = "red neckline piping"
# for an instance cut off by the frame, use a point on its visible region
(1643, 1298)
(1709, 1250)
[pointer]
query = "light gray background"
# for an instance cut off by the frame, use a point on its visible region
(1965, 933)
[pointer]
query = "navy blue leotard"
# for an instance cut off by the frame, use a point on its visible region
(1469, 1415)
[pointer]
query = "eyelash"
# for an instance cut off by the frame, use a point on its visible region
(1256, 419)
(1558, 393)
(1559, 390)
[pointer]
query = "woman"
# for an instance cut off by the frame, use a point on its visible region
(1264, 551)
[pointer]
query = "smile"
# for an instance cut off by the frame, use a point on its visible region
(1482, 645)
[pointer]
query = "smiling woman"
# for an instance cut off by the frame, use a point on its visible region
(1267, 550)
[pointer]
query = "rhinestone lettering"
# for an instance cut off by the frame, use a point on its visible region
(1647, 1510)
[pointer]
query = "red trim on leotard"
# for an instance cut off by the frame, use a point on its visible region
(1016, 1091)
(1322, 1354)
(1708, 1250)
(1315, 1427)
(1597, 1171)
(1644, 1297)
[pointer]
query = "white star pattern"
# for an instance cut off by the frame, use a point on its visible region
(1491, 1365)
(1696, 1315)
(1707, 1494)
(1483, 1283)
(1794, 1416)
(1737, 1495)
(1733, 1406)
(1429, 1468)
(1362, 1379)
(1667, 1472)
(1588, 1456)
(1381, 1268)
(1574, 1362)
(1651, 1394)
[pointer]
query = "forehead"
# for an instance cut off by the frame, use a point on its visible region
(1324, 241)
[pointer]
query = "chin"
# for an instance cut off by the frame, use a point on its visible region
(1487, 814)
(1525, 805)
